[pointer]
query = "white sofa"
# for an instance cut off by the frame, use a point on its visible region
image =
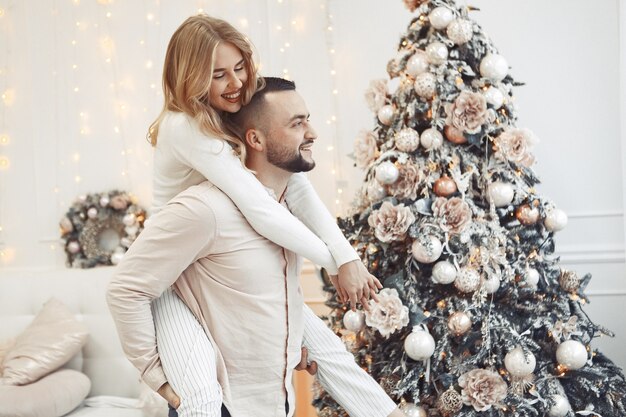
(22, 294)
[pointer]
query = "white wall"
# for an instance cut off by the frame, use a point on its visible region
(567, 51)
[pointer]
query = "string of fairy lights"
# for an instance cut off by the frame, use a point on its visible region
(87, 35)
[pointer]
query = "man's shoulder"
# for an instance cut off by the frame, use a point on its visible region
(204, 194)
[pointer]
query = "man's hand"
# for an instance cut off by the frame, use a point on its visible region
(304, 365)
(170, 396)
(355, 284)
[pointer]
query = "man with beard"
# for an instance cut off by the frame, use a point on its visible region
(242, 288)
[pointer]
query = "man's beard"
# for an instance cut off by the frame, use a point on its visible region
(288, 160)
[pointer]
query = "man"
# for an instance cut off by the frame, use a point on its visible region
(243, 289)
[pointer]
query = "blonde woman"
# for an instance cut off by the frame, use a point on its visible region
(209, 72)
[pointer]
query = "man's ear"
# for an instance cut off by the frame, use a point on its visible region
(254, 139)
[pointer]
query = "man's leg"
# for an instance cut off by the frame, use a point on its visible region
(338, 373)
(187, 357)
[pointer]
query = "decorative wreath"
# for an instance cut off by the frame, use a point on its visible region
(99, 228)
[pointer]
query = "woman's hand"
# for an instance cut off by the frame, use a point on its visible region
(170, 396)
(355, 284)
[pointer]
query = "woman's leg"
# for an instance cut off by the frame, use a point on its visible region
(187, 357)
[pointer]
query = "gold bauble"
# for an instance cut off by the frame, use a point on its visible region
(459, 323)
(444, 186)
(454, 135)
(527, 215)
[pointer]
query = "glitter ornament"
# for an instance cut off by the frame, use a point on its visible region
(440, 17)
(527, 215)
(491, 284)
(561, 406)
(431, 139)
(467, 280)
(407, 140)
(454, 135)
(417, 64)
(494, 67)
(444, 186)
(92, 213)
(387, 173)
(571, 354)
(437, 53)
(386, 114)
(450, 402)
(494, 97)
(354, 320)
(555, 220)
(500, 193)
(518, 363)
(459, 323)
(412, 410)
(427, 252)
(419, 345)
(444, 272)
(531, 278)
(569, 281)
(425, 85)
(460, 31)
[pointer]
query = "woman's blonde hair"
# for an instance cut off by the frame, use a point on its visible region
(188, 72)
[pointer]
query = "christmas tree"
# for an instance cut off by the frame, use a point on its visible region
(477, 317)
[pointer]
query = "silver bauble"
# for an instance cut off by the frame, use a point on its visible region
(561, 406)
(494, 97)
(73, 247)
(419, 345)
(429, 252)
(494, 67)
(117, 257)
(425, 85)
(460, 31)
(354, 320)
(92, 213)
(467, 280)
(491, 284)
(437, 53)
(387, 173)
(407, 140)
(519, 364)
(555, 220)
(571, 354)
(104, 201)
(500, 193)
(431, 138)
(444, 272)
(531, 278)
(440, 17)
(375, 191)
(417, 64)
(412, 410)
(386, 114)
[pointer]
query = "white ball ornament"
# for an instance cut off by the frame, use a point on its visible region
(437, 53)
(431, 139)
(571, 354)
(440, 17)
(429, 252)
(494, 67)
(407, 140)
(73, 247)
(425, 85)
(419, 345)
(460, 31)
(561, 406)
(494, 97)
(531, 279)
(417, 64)
(519, 364)
(104, 201)
(92, 213)
(375, 191)
(354, 320)
(467, 280)
(117, 257)
(412, 410)
(444, 272)
(555, 220)
(387, 173)
(385, 114)
(129, 219)
(491, 284)
(500, 193)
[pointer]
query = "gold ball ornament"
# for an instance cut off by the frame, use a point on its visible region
(527, 215)
(454, 135)
(569, 281)
(450, 402)
(444, 186)
(459, 323)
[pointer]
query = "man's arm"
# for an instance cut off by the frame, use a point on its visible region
(172, 240)
(338, 373)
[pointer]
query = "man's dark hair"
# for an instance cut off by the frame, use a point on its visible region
(252, 115)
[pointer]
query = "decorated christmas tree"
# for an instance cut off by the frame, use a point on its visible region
(477, 317)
